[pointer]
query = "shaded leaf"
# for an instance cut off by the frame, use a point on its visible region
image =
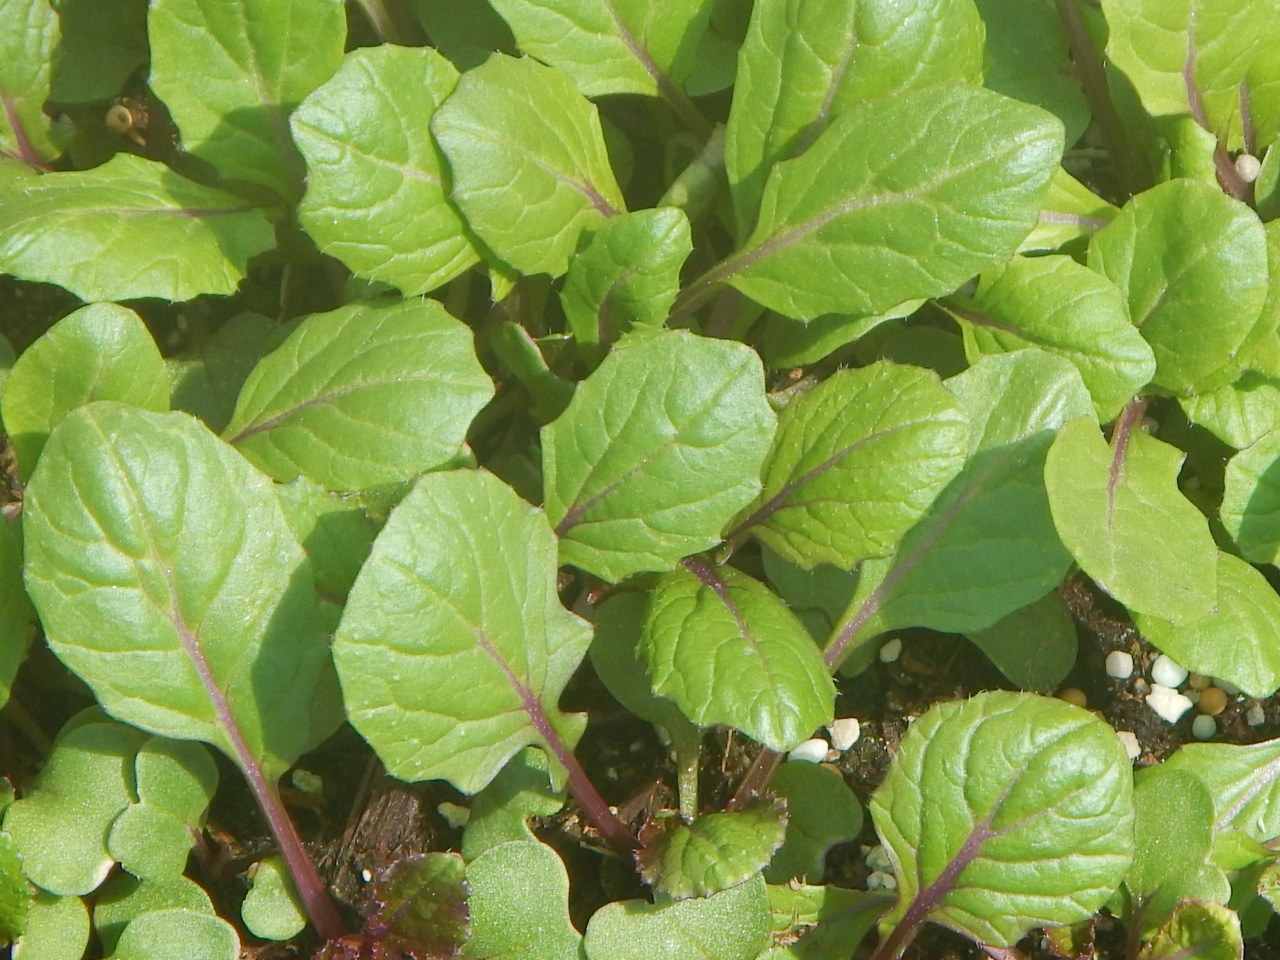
(16, 614)
(149, 842)
(500, 812)
(335, 532)
(452, 658)
(795, 343)
(15, 893)
(821, 812)
(111, 233)
(102, 45)
(377, 196)
(1005, 812)
(424, 899)
(1199, 930)
(715, 852)
(271, 909)
(820, 923)
(528, 162)
(1251, 499)
(1034, 646)
(258, 59)
(658, 449)
(363, 395)
(465, 31)
(520, 904)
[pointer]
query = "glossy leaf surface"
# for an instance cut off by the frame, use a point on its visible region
(1244, 781)
(452, 656)
(1069, 210)
(363, 395)
(1199, 929)
(658, 449)
(716, 852)
(1005, 812)
(128, 229)
(370, 157)
(1239, 414)
(528, 162)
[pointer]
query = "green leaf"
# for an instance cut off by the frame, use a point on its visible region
(16, 614)
(825, 589)
(500, 812)
(716, 852)
(258, 59)
(1167, 49)
(612, 46)
(819, 923)
(1193, 264)
(730, 925)
(1004, 812)
(804, 62)
(1028, 58)
(658, 449)
(335, 531)
(1239, 414)
(629, 272)
(796, 343)
(271, 909)
(821, 812)
(1034, 646)
(59, 829)
(465, 31)
(15, 893)
(1237, 641)
(124, 897)
(377, 197)
(99, 352)
(452, 658)
(1243, 781)
(166, 577)
(1199, 930)
(856, 461)
(1119, 511)
(364, 395)
(1251, 499)
(1069, 210)
(861, 222)
(28, 33)
(177, 934)
(149, 842)
(1064, 308)
(528, 162)
(111, 233)
(520, 904)
(423, 898)
(727, 650)
(57, 929)
(102, 45)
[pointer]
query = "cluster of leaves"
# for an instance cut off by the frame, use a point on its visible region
(733, 393)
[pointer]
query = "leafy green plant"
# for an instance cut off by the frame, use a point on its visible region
(805, 322)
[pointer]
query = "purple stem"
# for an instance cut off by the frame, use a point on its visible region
(1228, 177)
(1129, 418)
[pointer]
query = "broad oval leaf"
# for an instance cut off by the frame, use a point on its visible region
(612, 46)
(111, 233)
(862, 221)
(629, 272)
(1004, 812)
(658, 449)
(520, 904)
(1239, 414)
(806, 61)
(1062, 307)
(727, 650)
(1035, 646)
(453, 648)
(258, 59)
(270, 909)
(821, 812)
(28, 35)
(1244, 781)
(377, 197)
(1237, 641)
(1119, 511)
(363, 395)
(714, 852)
(1192, 263)
(855, 463)
(1200, 929)
(99, 352)
(123, 897)
(1251, 500)
(177, 934)
(57, 928)
(500, 812)
(166, 577)
(528, 162)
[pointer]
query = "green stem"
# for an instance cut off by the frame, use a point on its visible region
(688, 744)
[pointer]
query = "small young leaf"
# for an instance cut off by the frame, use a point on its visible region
(452, 657)
(730, 925)
(99, 352)
(16, 614)
(424, 899)
(1251, 499)
(111, 233)
(57, 929)
(1035, 646)
(727, 650)
(258, 59)
(715, 852)
(271, 909)
(1005, 812)
(859, 224)
(612, 47)
(15, 892)
(166, 577)
(1192, 262)
(500, 812)
(124, 897)
(1069, 210)
(658, 449)
(629, 272)
(820, 923)
(1118, 509)
(520, 904)
(806, 61)
(855, 463)
(102, 45)
(1200, 930)
(149, 842)
(1237, 641)
(821, 812)
(28, 35)
(363, 395)
(177, 934)
(1061, 307)
(1239, 414)
(528, 162)
(371, 160)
